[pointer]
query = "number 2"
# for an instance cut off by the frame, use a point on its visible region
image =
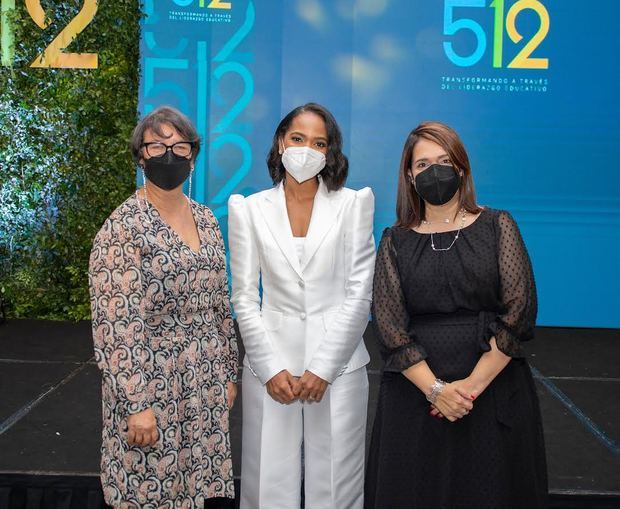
(53, 55)
(523, 59)
(216, 4)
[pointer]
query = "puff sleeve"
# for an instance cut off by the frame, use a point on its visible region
(390, 318)
(517, 289)
(245, 272)
(343, 336)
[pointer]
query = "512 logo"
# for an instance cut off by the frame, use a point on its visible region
(455, 28)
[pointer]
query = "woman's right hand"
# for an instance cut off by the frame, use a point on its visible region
(283, 387)
(451, 404)
(142, 428)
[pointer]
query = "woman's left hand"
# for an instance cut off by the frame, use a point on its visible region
(311, 387)
(466, 388)
(231, 393)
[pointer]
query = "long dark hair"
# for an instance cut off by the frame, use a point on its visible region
(336, 168)
(410, 208)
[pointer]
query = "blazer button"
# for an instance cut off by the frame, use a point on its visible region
(302, 316)
(301, 283)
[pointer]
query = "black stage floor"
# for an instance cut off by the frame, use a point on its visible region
(50, 414)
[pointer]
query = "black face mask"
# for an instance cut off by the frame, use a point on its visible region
(437, 184)
(168, 171)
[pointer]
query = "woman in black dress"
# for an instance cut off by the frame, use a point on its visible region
(458, 423)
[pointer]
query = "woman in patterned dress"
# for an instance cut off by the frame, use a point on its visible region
(458, 424)
(163, 334)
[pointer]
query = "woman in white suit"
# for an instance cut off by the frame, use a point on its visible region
(308, 243)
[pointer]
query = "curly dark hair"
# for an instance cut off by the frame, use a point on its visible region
(336, 168)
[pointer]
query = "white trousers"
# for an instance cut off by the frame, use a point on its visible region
(333, 432)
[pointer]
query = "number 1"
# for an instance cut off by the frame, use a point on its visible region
(498, 35)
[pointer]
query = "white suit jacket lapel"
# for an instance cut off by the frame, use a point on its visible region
(273, 207)
(324, 215)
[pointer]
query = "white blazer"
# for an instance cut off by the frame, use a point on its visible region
(312, 313)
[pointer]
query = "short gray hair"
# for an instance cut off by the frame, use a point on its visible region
(154, 120)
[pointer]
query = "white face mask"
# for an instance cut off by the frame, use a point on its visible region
(303, 163)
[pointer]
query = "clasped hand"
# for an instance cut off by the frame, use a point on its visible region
(454, 402)
(285, 388)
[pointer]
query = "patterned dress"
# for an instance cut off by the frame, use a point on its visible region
(164, 339)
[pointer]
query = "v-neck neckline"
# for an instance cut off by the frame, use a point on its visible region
(150, 206)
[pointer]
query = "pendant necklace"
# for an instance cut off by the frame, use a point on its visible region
(458, 232)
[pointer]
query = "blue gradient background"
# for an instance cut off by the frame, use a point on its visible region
(549, 158)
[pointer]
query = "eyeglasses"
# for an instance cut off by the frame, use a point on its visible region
(157, 149)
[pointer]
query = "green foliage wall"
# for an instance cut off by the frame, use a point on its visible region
(64, 158)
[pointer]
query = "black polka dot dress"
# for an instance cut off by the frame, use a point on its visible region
(444, 307)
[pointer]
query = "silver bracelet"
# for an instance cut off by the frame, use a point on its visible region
(436, 389)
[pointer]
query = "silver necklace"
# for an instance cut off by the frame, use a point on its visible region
(447, 220)
(458, 232)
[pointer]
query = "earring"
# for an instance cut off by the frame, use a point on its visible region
(189, 194)
(144, 183)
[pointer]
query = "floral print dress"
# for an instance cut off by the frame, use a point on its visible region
(164, 339)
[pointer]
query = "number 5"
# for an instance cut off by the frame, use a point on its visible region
(451, 27)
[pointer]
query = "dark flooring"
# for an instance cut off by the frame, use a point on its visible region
(50, 409)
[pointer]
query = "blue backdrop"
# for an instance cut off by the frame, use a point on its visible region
(529, 85)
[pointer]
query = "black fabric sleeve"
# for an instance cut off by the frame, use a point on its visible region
(517, 289)
(389, 312)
